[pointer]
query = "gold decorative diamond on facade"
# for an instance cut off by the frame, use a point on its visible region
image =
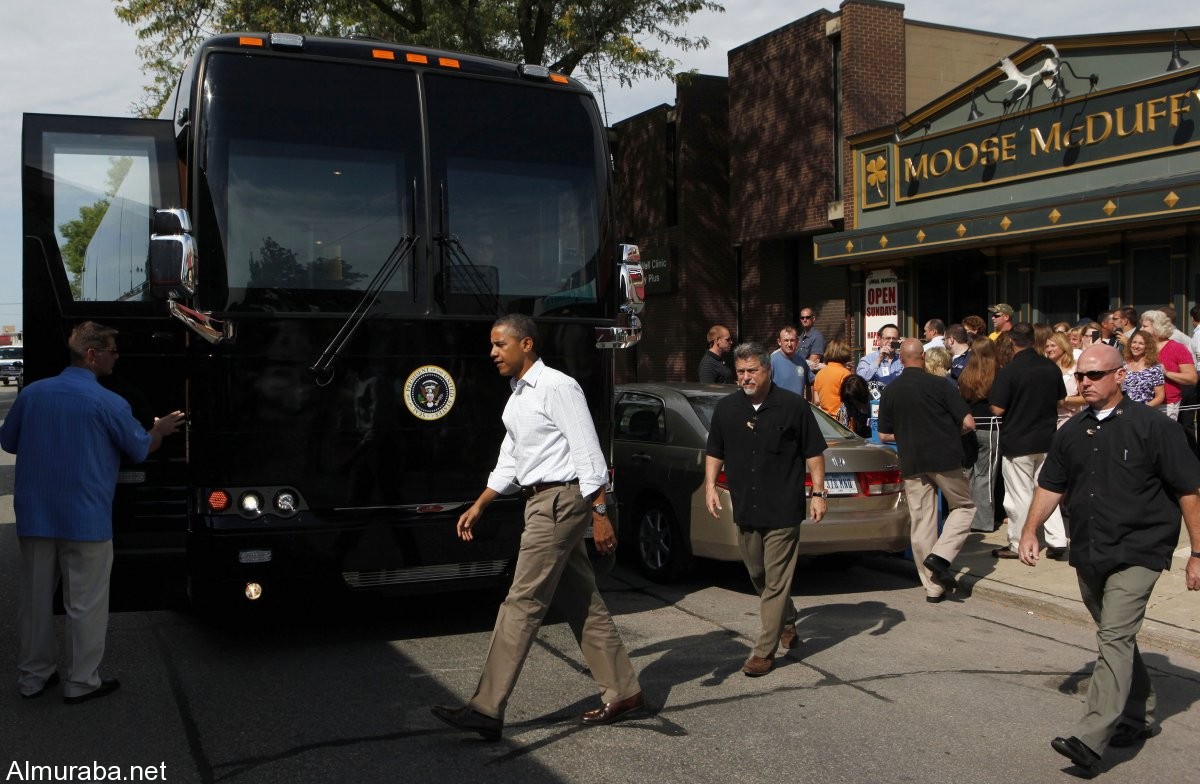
(1171, 199)
(883, 241)
(1055, 216)
(1005, 223)
(920, 235)
(1109, 208)
(849, 247)
(961, 230)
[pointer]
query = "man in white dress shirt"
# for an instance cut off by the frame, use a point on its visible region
(551, 454)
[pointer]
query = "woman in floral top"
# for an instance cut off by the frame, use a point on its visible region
(1178, 364)
(1144, 378)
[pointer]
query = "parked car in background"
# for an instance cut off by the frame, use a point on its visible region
(12, 365)
(659, 436)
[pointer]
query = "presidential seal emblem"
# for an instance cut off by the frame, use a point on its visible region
(429, 392)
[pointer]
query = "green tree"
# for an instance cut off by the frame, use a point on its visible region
(608, 39)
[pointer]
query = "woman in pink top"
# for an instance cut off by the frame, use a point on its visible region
(1179, 366)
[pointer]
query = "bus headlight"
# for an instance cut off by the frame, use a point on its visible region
(285, 502)
(250, 504)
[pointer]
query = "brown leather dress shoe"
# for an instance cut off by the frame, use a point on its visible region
(757, 666)
(611, 711)
(1006, 553)
(788, 637)
(468, 719)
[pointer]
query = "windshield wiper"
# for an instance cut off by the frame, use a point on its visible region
(472, 278)
(322, 369)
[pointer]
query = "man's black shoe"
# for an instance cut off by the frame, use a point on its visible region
(1074, 749)
(49, 683)
(1056, 553)
(107, 687)
(468, 719)
(1127, 734)
(941, 571)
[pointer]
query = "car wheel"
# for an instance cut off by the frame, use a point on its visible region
(662, 553)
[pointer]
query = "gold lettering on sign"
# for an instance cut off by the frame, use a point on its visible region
(1092, 119)
(1122, 131)
(1153, 114)
(1037, 141)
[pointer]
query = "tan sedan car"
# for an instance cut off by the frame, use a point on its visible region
(659, 436)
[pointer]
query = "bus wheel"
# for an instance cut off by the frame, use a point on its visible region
(662, 553)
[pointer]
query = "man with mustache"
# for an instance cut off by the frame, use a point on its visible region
(767, 438)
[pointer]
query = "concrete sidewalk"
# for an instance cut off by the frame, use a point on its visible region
(1172, 619)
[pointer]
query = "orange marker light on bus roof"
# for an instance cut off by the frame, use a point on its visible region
(559, 78)
(448, 62)
(383, 54)
(246, 40)
(416, 58)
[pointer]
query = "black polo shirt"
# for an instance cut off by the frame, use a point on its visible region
(1123, 477)
(765, 453)
(1028, 389)
(925, 414)
(713, 370)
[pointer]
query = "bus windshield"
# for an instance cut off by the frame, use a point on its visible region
(305, 211)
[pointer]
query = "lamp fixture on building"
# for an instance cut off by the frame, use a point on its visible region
(1177, 61)
(974, 114)
(1058, 88)
(898, 137)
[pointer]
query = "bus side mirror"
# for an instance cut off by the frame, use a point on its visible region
(628, 330)
(171, 262)
(633, 282)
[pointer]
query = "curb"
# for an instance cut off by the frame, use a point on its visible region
(1153, 633)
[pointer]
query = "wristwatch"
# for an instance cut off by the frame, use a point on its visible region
(600, 509)
(1195, 554)
(820, 494)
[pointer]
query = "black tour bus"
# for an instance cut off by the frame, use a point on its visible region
(305, 254)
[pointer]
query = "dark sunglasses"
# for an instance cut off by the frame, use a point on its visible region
(1094, 375)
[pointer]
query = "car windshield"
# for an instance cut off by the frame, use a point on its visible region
(11, 352)
(703, 403)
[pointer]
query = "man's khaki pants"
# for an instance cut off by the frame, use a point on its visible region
(921, 492)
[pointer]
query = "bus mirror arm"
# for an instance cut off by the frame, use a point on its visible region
(203, 324)
(322, 369)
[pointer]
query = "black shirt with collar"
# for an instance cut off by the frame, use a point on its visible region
(764, 453)
(713, 370)
(1123, 476)
(925, 413)
(1028, 388)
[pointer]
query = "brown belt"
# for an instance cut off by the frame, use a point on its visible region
(531, 490)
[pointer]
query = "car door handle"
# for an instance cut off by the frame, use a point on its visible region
(641, 457)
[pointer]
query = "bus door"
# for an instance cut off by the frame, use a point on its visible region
(90, 186)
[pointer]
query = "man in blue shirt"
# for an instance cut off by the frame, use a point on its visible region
(881, 366)
(789, 368)
(68, 434)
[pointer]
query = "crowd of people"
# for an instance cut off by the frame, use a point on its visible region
(1088, 472)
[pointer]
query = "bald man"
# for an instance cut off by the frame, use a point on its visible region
(926, 418)
(1127, 474)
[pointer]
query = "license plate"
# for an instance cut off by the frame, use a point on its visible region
(841, 484)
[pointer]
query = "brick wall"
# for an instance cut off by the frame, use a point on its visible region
(704, 291)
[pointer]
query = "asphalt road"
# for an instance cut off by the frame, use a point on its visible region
(884, 688)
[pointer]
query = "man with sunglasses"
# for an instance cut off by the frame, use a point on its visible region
(1127, 474)
(69, 434)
